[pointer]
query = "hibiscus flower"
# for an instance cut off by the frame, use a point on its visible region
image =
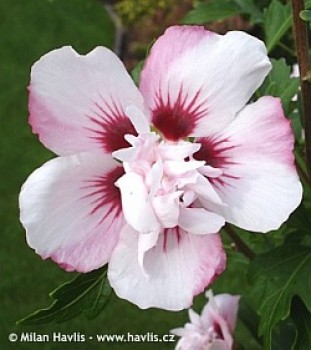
(146, 177)
(212, 330)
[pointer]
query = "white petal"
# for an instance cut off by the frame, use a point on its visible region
(166, 208)
(155, 175)
(179, 331)
(188, 198)
(178, 267)
(125, 154)
(146, 242)
(71, 210)
(178, 168)
(78, 103)
(195, 81)
(180, 150)
(203, 188)
(210, 171)
(194, 318)
(200, 221)
(259, 183)
(136, 204)
(138, 119)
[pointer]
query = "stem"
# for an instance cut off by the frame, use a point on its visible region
(240, 244)
(119, 30)
(286, 48)
(304, 176)
(300, 165)
(302, 48)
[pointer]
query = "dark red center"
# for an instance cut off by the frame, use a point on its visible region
(104, 194)
(110, 126)
(177, 120)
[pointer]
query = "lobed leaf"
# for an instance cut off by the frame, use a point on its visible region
(87, 293)
(279, 83)
(284, 336)
(300, 219)
(218, 10)
(305, 15)
(248, 7)
(277, 21)
(214, 10)
(135, 73)
(302, 321)
(278, 276)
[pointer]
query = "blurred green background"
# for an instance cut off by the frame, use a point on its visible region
(28, 29)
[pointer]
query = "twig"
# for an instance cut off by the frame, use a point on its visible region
(240, 244)
(286, 48)
(304, 176)
(300, 165)
(302, 48)
(119, 34)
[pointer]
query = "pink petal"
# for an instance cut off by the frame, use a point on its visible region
(219, 344)
(259, 183)
(195, 319)
(195, 81)
(228, 308)
(71, 210)
(221, 313)
(78, 103)
(177, 268)
(196, 342)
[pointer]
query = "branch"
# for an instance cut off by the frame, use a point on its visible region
(240, 244)
(302, 48)
(304, 176)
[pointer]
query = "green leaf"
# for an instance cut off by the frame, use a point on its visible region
(284, 336)
(248, 7)
(234, 279)
(250, 320)
(214, 10)
(300, 219)
(278, 276)
(279, 83)
(296, 123)
(302, 320)
(218, 10)
(87, 293)
(277, 21)
(305, 15)
(136, 71)
(294, 237)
